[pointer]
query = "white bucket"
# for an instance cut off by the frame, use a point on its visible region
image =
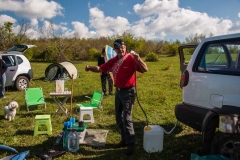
(59, 86)
(153, 139)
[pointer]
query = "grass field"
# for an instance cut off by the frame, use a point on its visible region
(158, 93)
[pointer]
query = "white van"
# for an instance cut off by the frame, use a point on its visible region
(210, 82)
(19, 72)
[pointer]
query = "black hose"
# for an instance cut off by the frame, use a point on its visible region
(141, 106)
(137, 94)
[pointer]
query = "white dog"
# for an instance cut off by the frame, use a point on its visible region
(10, 110)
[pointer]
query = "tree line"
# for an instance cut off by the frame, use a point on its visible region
(53, 47)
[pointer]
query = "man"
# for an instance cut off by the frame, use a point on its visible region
(105, 76)
(123, 67)
(3, 69)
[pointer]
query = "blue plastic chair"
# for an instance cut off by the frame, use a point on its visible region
(16, 155)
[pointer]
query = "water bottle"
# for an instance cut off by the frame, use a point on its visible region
(73, 141)
(65, 139)
(59, 138)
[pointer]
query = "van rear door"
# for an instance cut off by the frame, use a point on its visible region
(20, 49)
(185, 53)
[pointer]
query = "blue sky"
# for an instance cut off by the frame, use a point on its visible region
(150, 19)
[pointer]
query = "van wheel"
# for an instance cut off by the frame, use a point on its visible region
(226, 144)
(21, 83)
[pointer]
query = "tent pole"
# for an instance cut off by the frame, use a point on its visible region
(71, 97)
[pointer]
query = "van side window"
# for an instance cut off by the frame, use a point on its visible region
(9, 60)
(214, 58)
(19, 60)
(220, 58)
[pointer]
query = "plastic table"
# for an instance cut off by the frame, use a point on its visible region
(61, 101)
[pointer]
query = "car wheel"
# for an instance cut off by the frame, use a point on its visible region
(21, 83)
(226, 144)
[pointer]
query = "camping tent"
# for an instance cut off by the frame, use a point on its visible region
(63, 70)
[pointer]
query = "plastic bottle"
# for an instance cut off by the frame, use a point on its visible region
(73, 141)
(59, 138)
(65, 139)
(132, 52)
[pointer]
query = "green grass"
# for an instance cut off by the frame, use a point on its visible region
(158, 93)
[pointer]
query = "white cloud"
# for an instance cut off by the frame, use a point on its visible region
(33, 34)
(32, 8)
(157, 20)
(156, 7)
(166, 18)
(107, 26)
(50, 29)
(34, 22)
(6, 18)
(81, 30)
(63, 23)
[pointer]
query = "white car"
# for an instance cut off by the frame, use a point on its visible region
(210, 84)
(19, 72)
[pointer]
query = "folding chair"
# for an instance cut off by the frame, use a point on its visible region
(34, 96)
(16, 155)
(87, 108)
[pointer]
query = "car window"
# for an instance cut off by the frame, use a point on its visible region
(220, 58)
(188, 52)
(19, 48)
(19, 60)
(9, 60)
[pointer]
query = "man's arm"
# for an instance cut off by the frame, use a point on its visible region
(93, 68)
(4, 66)
(141, 63)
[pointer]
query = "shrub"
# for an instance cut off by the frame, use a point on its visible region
(94, 53)
(152, 57)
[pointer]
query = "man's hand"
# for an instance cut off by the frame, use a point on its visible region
(142, 64)
(87, 68)
(136, 56)
(93, 68)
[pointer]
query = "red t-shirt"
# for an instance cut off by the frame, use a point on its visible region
(123, 70)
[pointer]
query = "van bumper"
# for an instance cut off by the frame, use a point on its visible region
(191, 116)
(30, 73)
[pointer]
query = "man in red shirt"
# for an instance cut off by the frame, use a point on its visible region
(124, 67)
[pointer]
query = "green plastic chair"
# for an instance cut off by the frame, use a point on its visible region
(95, 102)
(34, 96)
(87, 108)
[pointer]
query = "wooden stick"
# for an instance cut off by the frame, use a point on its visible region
(71, 97)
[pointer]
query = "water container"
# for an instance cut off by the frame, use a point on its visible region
(65, 139)
(59, 86)
(73, 141)
(153, 138)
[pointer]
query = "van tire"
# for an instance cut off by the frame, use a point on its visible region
(21, 83)
(226, 144)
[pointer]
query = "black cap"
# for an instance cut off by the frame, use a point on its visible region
(118, 43)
